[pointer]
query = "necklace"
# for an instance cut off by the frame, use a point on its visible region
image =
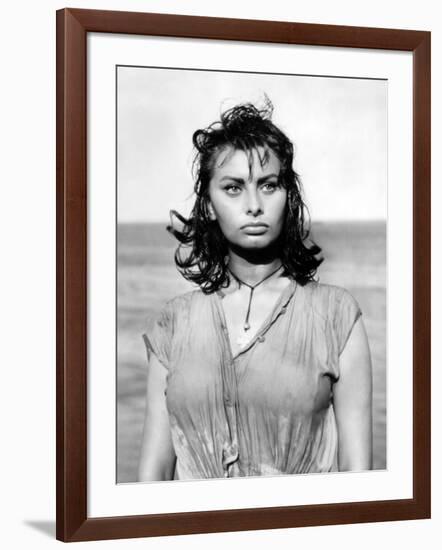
(252, 288)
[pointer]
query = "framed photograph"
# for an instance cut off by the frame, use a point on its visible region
(243, 274)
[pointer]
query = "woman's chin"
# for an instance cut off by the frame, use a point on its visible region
(255, 243)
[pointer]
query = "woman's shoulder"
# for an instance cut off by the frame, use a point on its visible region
(318, 289)
(185, 300)
(171, 310)
(327, 298)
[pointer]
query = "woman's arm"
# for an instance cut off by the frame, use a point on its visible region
(157, 461)
(353, 402)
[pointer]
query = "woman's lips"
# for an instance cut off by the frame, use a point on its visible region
(255, 228)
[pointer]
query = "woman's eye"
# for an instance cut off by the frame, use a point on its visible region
(232, 189)
(270, 187)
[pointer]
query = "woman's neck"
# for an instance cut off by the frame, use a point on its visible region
(252, 267)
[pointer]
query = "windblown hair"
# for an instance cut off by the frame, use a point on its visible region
(203, 250)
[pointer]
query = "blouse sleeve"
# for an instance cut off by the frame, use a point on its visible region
(347, 312)
(158, 335)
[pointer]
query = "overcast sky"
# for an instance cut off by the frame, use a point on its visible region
(338, 127)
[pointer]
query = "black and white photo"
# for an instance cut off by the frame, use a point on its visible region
(251, 274)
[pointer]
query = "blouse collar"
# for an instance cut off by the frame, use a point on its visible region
(279, 308)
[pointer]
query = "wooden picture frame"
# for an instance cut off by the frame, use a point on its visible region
(73, 523)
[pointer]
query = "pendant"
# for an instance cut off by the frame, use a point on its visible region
(246, 325)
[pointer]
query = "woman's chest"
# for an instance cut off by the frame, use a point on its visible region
(282, 370)
(282, 380)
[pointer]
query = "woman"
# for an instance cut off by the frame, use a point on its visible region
(261, 370)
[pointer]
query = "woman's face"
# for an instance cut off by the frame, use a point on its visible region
(249, 204)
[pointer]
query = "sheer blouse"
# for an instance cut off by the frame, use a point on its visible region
(267, 409)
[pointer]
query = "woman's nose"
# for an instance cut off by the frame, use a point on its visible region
(253, 206)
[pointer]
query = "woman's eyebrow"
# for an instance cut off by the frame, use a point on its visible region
(232, 178)
(268, 176)
(241, 180)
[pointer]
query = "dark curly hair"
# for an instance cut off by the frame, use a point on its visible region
(203, 249)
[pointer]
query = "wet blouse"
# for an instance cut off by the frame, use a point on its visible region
(266, 410)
